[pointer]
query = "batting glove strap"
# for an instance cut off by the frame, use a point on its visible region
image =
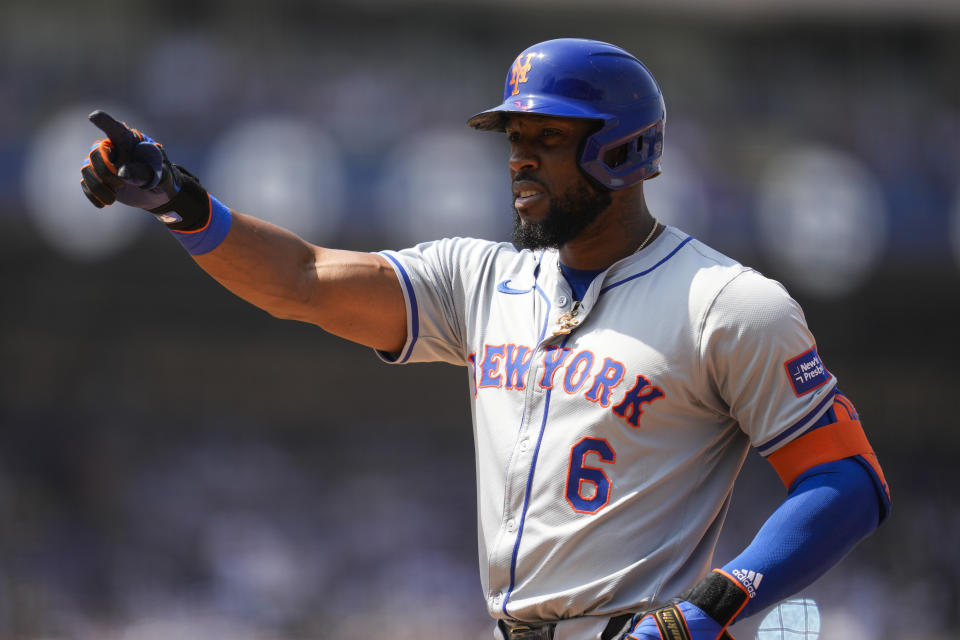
(680, 620)
(719, 596)
(189, 209)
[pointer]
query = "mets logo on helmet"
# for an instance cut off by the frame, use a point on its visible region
(518, 75)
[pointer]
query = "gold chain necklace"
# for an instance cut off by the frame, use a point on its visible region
(568, 321)
(653, 230)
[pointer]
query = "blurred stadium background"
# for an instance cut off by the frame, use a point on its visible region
(176, 464)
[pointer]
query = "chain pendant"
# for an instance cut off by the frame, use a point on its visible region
(568, 321)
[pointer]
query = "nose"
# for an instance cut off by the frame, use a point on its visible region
(522, 158)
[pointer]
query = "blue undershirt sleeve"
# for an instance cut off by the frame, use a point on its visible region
(829, 509)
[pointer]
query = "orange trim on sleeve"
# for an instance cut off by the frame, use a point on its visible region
(840, 401)
(830, 443)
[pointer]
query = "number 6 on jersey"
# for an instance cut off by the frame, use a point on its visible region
(580, 474)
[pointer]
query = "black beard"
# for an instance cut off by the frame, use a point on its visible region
(565, 220)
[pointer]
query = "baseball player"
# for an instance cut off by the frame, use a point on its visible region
(619, 370)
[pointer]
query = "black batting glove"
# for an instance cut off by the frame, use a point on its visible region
(133, 169)
(703, 613)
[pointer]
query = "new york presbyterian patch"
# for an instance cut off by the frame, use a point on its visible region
(806, 372)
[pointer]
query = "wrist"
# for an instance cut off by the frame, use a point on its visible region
(208, 237)
(720, 596)
(189, 208)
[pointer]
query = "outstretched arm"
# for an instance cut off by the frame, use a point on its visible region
(351, 294)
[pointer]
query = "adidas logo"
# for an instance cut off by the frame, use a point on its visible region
(749, 579)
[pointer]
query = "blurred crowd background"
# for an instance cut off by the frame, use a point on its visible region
(176, 464)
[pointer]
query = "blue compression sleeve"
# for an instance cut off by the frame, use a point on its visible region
(829, 509)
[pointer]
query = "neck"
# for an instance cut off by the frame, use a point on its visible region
(617, 233)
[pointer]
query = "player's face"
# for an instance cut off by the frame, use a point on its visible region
(554, 202)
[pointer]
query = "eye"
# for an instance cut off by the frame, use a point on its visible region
(551, 132)
(512, 136)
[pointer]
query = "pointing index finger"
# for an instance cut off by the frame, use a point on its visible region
(122, 138)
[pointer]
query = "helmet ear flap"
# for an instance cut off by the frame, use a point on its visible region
(647, 144)
(625, 161)
(586, 149)
(615, 157)
(648, 149)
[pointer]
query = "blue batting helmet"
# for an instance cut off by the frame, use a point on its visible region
(576, 78)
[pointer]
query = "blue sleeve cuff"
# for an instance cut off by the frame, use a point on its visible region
(209, 237)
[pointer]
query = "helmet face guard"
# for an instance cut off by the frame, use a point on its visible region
(575, 78)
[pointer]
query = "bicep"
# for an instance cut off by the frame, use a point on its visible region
(357, 296)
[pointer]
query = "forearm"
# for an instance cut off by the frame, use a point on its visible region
(828, 511)
(831, 507)
(354, 295)
(265, 265)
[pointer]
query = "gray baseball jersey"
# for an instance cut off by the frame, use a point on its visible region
(608, 432)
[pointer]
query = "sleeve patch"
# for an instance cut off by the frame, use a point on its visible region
(806, 372)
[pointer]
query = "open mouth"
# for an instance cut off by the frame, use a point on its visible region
(526, 194)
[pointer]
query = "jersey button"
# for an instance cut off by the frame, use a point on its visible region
(511, 524)
(524, 444)
(562, 301)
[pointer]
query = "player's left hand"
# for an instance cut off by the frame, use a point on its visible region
(679, 621)
(703, 613)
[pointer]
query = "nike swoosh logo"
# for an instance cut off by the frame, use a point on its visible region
(504, 287)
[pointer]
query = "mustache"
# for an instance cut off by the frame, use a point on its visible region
(527, 177)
